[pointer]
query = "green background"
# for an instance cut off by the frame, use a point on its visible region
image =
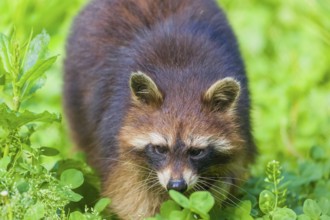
(286, 48)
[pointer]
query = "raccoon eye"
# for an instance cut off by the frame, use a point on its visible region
(161, 150)
(196, 153)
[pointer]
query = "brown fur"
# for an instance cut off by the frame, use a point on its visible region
(169, 67)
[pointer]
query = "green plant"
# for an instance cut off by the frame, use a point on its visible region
(30, 188)
(285, 45)
(181, 208)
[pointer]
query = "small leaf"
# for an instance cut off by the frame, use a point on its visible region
(4, 162)
(77, 216)
(266, 201)
(37, 50)
(180, 215)
(48, 151)
(303, 217)
(23, 186)
(243, 211)
(324, 204)
(312, 209)
(72, 178)
(167, 207)
(318, 153)
(12, 120)
(35, 212)
(35, 72)
(5, 55)
(71, 196)
(201, 202)
(157, 217)
(179, 198)
(102, 204)
(325, 217)
(284, 214)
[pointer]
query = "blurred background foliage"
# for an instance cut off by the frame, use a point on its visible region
(286, 48)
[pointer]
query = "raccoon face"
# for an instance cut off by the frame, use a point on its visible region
(184, 147)
(179, 167)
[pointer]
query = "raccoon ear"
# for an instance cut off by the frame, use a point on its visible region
(144, 89)
(222, 94)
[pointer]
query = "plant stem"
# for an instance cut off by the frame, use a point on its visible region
(6, 150)
(10, 211)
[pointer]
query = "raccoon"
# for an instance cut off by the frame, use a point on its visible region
(156, 94)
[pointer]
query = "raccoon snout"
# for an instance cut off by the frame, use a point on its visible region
(177, 185)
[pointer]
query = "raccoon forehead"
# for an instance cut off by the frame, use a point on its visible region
(142, 140)
(219, 144)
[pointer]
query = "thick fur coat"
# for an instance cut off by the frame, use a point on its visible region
(148, 82)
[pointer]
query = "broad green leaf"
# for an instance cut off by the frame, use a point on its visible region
(37, 50)
(243, 211)
(266, 201)
(77, 216)
(35, 212)
(12, 120)
(325, 217)
(23, 186)
(324, 204)
(5, 56)
(167, 207)
(312, 209)
(179, 198)
(72, 178)
(284, 214)
(304, 217)
(201, 202)
(48, 151)
(180, 215)
(102, 204)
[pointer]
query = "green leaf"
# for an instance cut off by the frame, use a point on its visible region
(23, 186)
(304, 217)
(325, 217)
(37, 50)
(35, 212)
(179, 198)
(77, 216)
(12, 120)
(324, 204)
(102, 204)
(181, 215)
(5, 55)
(266, 201)
(36, 72)
(48, 151)
(70, 195)
(318, 153)
(243, 211)
(312, 209)
(72, 178)
(284, 214)
(4, 162)
(167, 207)
(157, 217)
(201, 202)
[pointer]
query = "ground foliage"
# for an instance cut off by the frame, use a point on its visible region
(286, 47)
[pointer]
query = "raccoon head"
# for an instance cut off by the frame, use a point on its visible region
(186, 142)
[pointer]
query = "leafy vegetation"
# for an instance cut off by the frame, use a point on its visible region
(29, 188)
(286, 48)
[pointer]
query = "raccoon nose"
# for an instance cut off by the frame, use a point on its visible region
(177, 185)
